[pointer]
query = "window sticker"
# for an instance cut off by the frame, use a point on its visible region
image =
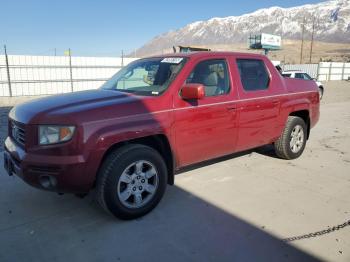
(172, 60)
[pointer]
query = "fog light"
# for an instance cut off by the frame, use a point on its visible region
(48, 182)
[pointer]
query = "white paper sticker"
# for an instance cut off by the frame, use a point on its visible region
(172, 60)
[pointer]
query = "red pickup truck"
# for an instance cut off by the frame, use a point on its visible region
(153, 117)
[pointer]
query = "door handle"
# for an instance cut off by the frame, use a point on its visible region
(275, 102)
(231, 108)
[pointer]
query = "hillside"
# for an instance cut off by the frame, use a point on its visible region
(231, 33)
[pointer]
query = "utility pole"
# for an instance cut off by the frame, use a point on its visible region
(122, 58)
(8, 71)
(312, 37)
(302, 39)
(70, 70)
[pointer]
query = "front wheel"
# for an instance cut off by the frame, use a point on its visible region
(291, 143)
(131, 181)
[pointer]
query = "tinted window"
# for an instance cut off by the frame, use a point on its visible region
(213, 74)
(286, 75)
(299, 75)
(307, 77)
(253, 74)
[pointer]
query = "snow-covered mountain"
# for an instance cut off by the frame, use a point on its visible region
(332, 25)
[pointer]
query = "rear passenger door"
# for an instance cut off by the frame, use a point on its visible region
(259, 103)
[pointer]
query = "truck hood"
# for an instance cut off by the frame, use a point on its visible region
(78, 107)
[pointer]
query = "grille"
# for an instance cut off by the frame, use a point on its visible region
(18, 132)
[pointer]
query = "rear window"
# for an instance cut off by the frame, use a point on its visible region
(253, 73)
(286, 75)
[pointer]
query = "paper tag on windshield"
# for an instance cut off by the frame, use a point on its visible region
(172, 60)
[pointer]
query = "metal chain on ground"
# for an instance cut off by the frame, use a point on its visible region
(318, 233)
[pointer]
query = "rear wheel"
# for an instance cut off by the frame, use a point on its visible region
(131, 181)
(291, 143)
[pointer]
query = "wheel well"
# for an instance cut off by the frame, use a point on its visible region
(303, 114)
(157, 142)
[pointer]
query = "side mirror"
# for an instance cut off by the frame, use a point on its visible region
(192, 91)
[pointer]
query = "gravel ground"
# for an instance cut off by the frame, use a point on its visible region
(238, 208)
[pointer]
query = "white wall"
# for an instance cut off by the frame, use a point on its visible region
(42, 75)
(324, 71)
(311, 69)
(38, 75)
(333, 71)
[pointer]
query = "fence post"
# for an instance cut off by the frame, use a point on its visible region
(122, 63)
(70, 70)
(329, 71)
(318, 71)
(8, 72)
(343, 72)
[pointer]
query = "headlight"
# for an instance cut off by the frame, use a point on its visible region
(55, 134)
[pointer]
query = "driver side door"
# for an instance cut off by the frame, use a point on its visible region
(207, 128)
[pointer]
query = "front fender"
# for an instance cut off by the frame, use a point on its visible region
(102, 135)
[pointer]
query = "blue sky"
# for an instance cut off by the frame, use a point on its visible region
(104, 28)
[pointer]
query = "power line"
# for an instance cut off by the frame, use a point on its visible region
(312, 37)
(302, 40)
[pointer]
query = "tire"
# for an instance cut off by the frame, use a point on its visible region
(131, 181)
(320, 91)
(285, 146)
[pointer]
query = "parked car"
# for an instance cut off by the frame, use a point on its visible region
(305, 76)
(154, 117)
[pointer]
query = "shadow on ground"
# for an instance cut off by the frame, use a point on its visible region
(267, 150)
(42, 226)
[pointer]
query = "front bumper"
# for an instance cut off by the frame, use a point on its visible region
(64, 174)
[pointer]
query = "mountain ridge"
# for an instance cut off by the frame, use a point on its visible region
(332, 25)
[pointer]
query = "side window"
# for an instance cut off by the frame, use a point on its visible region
(299, 75)
(213, 74)
(307, 77)
(253, 73)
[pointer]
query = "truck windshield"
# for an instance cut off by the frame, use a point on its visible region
(149, 77)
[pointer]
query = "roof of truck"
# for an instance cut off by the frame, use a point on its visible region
(209, 53)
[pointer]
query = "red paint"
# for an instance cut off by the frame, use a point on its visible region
(196, 130)
(192, 91)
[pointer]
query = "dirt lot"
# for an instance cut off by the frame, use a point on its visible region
(234, 209)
